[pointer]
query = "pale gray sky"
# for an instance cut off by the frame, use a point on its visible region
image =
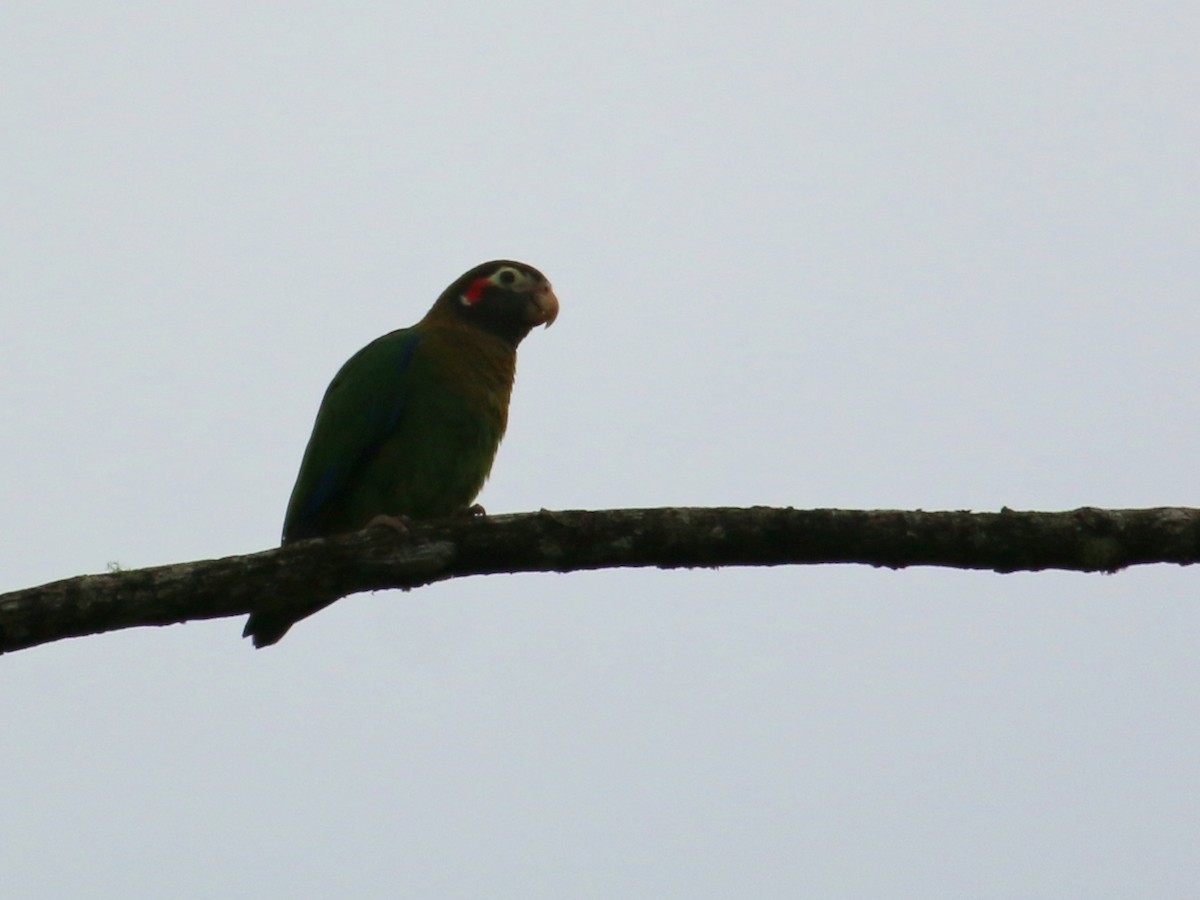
(863, 255)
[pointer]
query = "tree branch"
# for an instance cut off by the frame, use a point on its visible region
(312, 573)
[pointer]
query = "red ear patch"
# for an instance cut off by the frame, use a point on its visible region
(474, 293)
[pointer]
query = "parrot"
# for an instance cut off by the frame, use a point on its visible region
(410, 424)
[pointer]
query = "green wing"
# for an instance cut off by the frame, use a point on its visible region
(363, 408)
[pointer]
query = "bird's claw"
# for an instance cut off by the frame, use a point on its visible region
(398, 524)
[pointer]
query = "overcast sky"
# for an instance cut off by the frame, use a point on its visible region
(915, 255)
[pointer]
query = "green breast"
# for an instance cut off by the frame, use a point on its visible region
(442, 452)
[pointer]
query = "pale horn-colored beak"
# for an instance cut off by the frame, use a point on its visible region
(545, 307)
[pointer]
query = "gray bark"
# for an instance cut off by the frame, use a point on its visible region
(312, 573)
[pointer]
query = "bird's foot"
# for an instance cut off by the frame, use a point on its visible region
(471, 512)
(398, 524)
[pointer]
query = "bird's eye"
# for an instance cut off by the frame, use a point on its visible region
(506, 277)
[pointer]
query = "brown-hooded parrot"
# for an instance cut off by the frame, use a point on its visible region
(410, 424)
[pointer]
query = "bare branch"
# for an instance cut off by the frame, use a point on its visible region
(311, 574)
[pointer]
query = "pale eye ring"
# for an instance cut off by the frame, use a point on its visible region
(506, 277)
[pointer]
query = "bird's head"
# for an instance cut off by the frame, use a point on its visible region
(502, 297)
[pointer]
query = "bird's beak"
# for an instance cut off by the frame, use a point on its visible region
(544, 307)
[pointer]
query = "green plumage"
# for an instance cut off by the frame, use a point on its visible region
(398, 436)
(410, 425)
